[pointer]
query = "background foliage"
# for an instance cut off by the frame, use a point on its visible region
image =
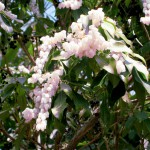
(96, 119)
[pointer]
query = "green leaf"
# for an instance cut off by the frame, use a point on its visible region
(147, 124)
(120, 34)
(145, 49)
(21, 80)
(76, 14)
(80, 102)
(108, 64)
(19, 141)
(129, 124)
(4, 114)
(47, 22)
(127, 3)
(120, 46)
(105, 113)
(140, 92)
(117, 93)
(141, 116)
(138, 79)
(106, 25)
(40, 30)
(7, 90)
(0, 58)
(10, 56)
(99, 78)
(114, 79)
(58, 125)
(21, 97)
(130, 64)
(41, 6)
(59, 106)
(139, 57)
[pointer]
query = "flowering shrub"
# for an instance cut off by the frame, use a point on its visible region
(74, 82)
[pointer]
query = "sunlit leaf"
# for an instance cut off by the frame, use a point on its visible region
(59, 106)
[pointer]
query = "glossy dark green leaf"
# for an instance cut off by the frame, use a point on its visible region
(4, 114)
(10, 56)
(117, 93)
(105, 112)
(59, 125)
(141, 116)
(7, 91)
(127, 3)
(41, 6)
(140, 86)
(47, 22)
(40, 30)
(98, 78)
(59, 106)
(19, 142)
(21, 97)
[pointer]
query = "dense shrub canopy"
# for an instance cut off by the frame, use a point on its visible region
(74, 74)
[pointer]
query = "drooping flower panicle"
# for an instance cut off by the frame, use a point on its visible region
(146, 10)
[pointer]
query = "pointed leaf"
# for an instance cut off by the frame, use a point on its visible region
(59, 106)
(137, 77)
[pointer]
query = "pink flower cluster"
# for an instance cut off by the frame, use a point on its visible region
(9, 15)
(146, 10)
(119, 59)
(34, 8)
(72, 4)
(85, 40)
(42, 98)
(96, 16)
(49, 82)
(45, 48)
(2, 6)
(23, 69)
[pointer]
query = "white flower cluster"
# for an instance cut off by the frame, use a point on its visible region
(2, 6)
(120, 62)
(42, 98)
(23, 69)
(146, 10)
(9, 15)
(72, 4)
(48, 83)
(45, 48)
(85, 40)
(34, 8)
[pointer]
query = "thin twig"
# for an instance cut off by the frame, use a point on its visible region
(6, 134)
(147, 34)
(82, 132)
(106, 143)
(57, 141)
(36, 143)
(25, 50)
(91, 142)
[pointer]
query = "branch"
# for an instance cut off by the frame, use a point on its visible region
(57, 141)
(106, 142)
(25, 50)
(91, 142)
(36, 143)
(147, 34)
(79, 135)
(55, 3)
(6, 134)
